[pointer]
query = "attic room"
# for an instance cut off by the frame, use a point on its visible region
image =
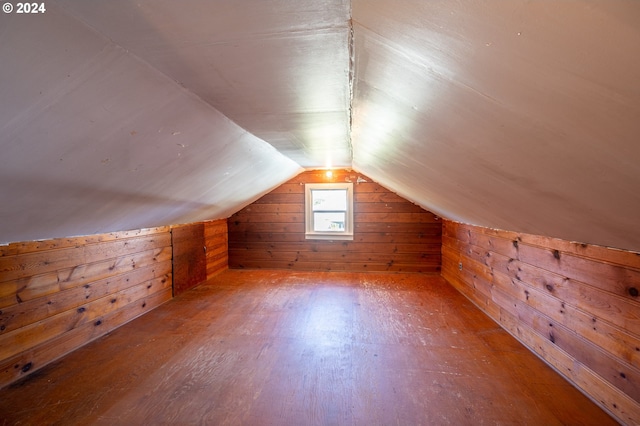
(320, 212)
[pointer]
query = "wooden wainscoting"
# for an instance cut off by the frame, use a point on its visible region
(199, 252)
(216, 240)
(57, 295)
(189, 256)
(575, 305)
(391, 233)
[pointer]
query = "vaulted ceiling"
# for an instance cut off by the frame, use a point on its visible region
(512, 114)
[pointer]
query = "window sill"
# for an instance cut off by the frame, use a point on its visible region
(338, 237)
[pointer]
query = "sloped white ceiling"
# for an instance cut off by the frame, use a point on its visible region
(93, 139)
(522, 115)
(279, 68)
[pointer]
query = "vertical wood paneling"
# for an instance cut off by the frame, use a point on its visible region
(189, 257)
(216, 240)
(57, 295)
(575, 305)
(390, 233)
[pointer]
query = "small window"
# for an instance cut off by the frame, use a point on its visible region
(329, 211)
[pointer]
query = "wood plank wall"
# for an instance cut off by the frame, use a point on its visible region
(390, 234)
(216, 240)
(189, 256)
(575, 305)
(200, 251)
(57, 295)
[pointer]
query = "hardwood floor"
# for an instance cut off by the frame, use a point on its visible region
(294, 348)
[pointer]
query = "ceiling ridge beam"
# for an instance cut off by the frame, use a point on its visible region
(351, 47)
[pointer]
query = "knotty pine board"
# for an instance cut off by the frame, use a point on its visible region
(57, 295)
(575, 305)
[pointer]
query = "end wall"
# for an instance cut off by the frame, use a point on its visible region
(390, 234)
(575, 305)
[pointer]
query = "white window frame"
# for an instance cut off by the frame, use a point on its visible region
(310, 234)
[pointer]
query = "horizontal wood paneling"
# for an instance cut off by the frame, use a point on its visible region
(40, 262)
(216, 240)
(189, 256)
(390, 233)
(72, 242)
(57, 295)
(575, 305)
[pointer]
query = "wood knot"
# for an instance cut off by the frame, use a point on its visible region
(515, 243)
(556, 254)
(549, 287)
(97, 323)
(633, 292)
(81, 310)
(27, 367)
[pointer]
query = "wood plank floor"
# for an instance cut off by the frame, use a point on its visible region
(283, 348)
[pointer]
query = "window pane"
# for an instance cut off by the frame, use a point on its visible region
(329, 199)
(329, 222)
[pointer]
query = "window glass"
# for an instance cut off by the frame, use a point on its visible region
(329, 199)
(329, 222)
(329, 211)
